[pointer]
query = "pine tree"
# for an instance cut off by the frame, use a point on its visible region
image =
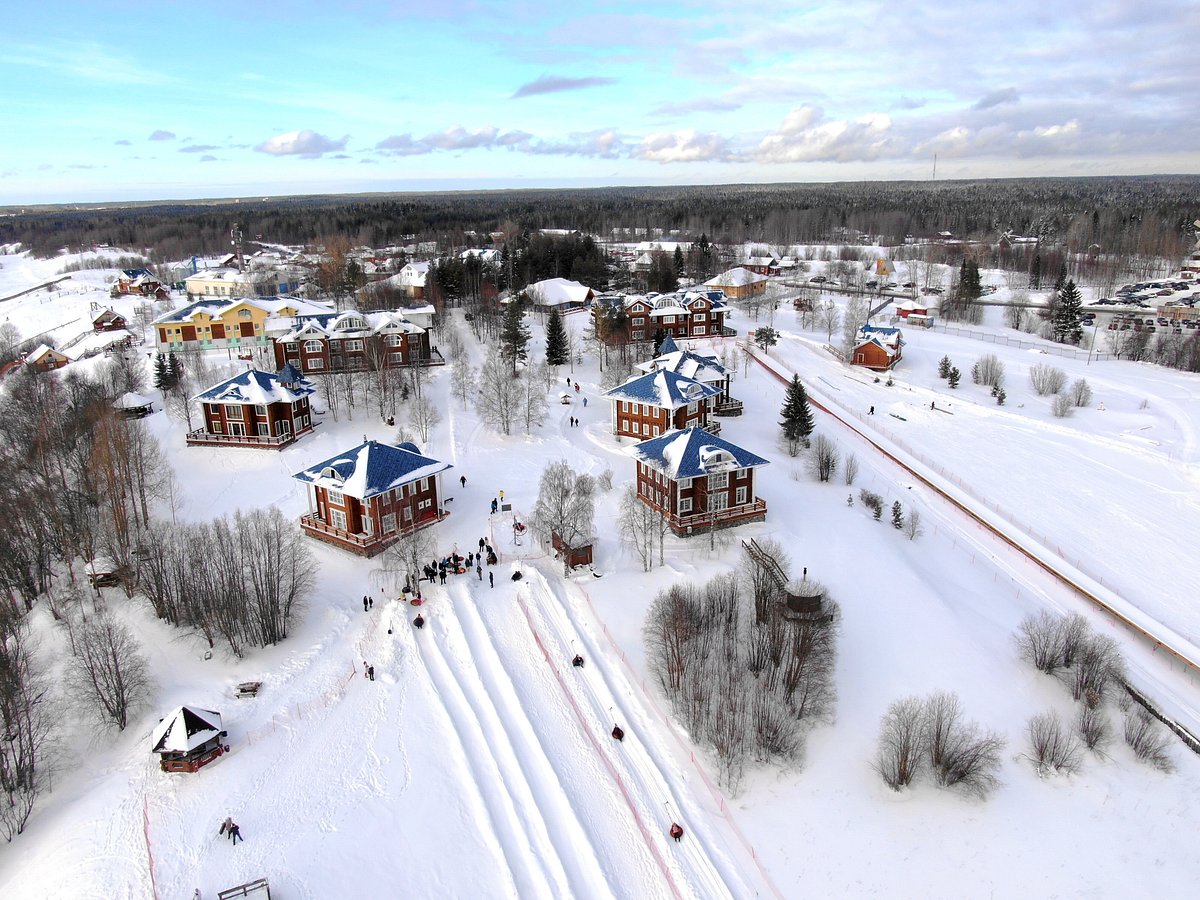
(897, 516)
(1000, 396)
(1061, 281)
(1068, 314)
(678, 262)
(514, 336)
(797, 421)
(953, 376)
(556, 340)
(1035, 272)
(172, 372)
(160, 372)
(944, 367)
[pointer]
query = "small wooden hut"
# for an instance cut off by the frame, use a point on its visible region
(579, 555)
(188, 739)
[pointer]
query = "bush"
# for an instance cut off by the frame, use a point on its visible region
(1052, 747)
(988, 370)
(902, 736)
(1047, 379)
(1094, 728)
(960, 754)
(824, 460)
(1062, 406)
(1147, 740)
(1081, 392)
(871, 501)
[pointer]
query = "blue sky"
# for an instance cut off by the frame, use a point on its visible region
(133, 100)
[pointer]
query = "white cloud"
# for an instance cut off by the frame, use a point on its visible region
(305, 144)
(687, 145)
(803, 137)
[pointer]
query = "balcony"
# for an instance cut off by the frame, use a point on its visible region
(200, 437)
(702, 522)
(727, 407)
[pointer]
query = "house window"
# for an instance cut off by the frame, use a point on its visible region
(217, 427)
(337, 498)
(668, 320)
(699, 316)
(698, 329)
(685, 504)
(639, 335)
(719, 481)
(424, 505)
(337, 518)
(284, 427)
(312, 346)
(313, 364)
(232, 411)
(264, 430)
(244, 313)
(393, 340)
(353, 346)
(645, 428)
(741, 496)
(292, 347)
(389, 523)
(260, 410)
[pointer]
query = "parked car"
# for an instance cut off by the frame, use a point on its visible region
(817, 279)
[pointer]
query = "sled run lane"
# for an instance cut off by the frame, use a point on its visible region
(659, 787)
(560, 830)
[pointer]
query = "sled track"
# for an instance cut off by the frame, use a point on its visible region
(1140, 631)
(538, 830)
(649, 776)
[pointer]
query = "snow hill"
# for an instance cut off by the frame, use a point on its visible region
(479, 762)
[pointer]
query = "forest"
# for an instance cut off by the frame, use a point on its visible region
(1139, 216)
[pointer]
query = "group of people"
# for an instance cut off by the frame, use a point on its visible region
(232, 829)
(574, 421)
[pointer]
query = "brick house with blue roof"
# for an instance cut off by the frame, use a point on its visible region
(364, 499)
(647, 405)
(255, 409)
(698, 481)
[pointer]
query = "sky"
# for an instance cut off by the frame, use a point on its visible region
(110, 101)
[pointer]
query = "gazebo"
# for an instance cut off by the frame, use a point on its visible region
(188, 739)
(133, 406)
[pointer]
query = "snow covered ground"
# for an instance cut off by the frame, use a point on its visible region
(479, 763)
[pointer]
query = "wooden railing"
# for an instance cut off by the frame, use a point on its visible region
(200, 436)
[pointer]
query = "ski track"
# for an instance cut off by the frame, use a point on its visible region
(535, 869)
(653, 777)
(546, 760)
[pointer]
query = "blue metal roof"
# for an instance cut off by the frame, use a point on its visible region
(662, 388)
(253, 386)
(371, 468)
(694, 453)
(668, 346)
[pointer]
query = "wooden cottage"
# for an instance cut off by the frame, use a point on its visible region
(140, 282)
(572, 555)
(877, 347)
(353, 342)
(46, 359)
(558, 293)
(255, 409)
(188, 739)
(739, 283)
(684, 314)
(107, 320)
(647, 405)
(364, 499)
(698, 481)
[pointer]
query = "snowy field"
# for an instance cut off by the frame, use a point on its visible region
(479, 763)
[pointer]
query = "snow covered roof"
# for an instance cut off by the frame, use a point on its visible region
(350, 324)
(371, 468)
(662, 388)
(694, 453)
(130, 400)
(557, 291)
(676, 303)
(738, 277)
(890, 340)
(688, 364)
(184, 729)
(40, 351)
(254, 388)
(216, 306)
(912, 305)
(668, 345)
(289, 374)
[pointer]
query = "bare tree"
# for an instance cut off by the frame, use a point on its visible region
(988, 370)
(1081, 392)
(828, 319)
(824, 459)
(1147, 740)
(1040, 640)
(850, 468)
(279, 571)
(853, 319)
(1094, 728)
(900, 754)
(498, 397)
(1047, 379)
(463, 379)
(531, 399)
(401, 562)
(639, 525)
(672, 622)
(27, 720)
(423, 415)
(960, 755)
(1098, 663)
(108, 672)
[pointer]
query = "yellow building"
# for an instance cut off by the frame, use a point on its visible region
(218, 323)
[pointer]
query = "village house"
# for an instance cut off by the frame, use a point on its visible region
(187, 739)
(255, 281)
(700, 368)
(366, 498)
(107, 320)
(411, 279)
(46, 359)
(684, 314)
(739, 283)
(647, 405)
(759, 265)
(140, 282)
(698, 481)
(255, 409)
(219, 323)
(351, 341)
(558, 293)
(912, 308)
(877, 347)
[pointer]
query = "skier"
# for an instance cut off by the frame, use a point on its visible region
(495, 506)
(371, 672)
(676, 831)
(235, 832)
(872, 412)
(463, 480)
(226, 825)
(933, 404)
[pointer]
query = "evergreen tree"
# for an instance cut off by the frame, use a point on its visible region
(556, 340)
(514, 336)
(660, 335)
(1035, 272)
(678, 262)
(1068, 315)
(173, 371)
(1061, 281)
(897, 516)
(797, 421)
(944, 367)
(953, 376)
(766, 336)
(704, 257)
(160, 372)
